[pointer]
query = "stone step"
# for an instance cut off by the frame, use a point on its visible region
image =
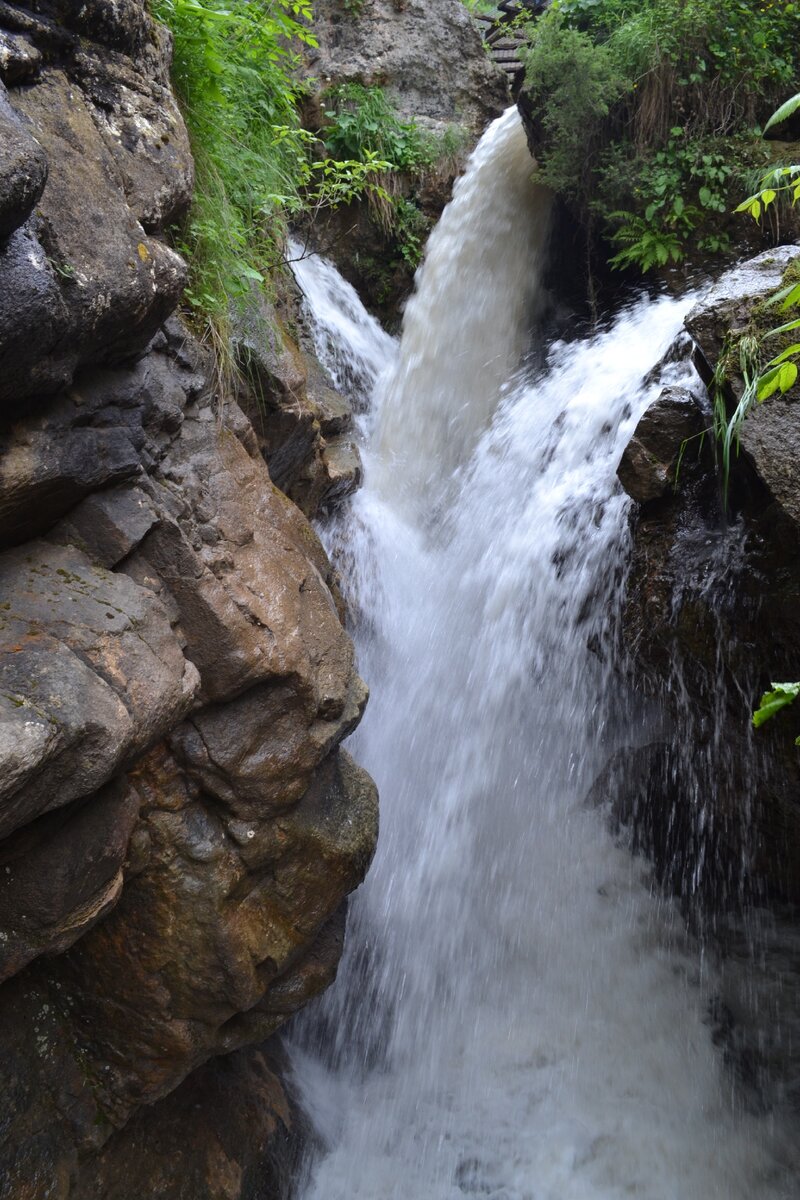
(506, 43)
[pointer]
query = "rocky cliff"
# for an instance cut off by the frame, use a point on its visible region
(711, 618)
(179, 828)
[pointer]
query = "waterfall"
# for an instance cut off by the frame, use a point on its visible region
(517, 1016)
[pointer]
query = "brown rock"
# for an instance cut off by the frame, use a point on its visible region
(223, 930)
(62, 874)
(91, 674)
(23, 164)
(229, 1132)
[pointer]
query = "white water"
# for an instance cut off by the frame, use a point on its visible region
(516, 1017)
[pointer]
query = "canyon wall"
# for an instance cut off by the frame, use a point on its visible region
(179, 827)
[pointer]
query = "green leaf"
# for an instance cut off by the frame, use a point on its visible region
(787, 376)
(791, 298)
(747, 204)
(768, 384)
(789, 107)
(787, 353)
(772, 702)
(783, 328)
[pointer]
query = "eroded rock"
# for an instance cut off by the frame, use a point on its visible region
(23, 165)
(178, 826)
(62, 874)
(229, 1132)
(96, 143)
(649, 462)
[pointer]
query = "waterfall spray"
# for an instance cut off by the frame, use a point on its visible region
(516, 1016)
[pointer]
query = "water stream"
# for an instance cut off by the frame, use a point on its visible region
(517, 1016)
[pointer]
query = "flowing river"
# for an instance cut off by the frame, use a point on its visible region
(517, 1016)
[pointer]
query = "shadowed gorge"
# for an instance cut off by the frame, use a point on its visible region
(399, 398)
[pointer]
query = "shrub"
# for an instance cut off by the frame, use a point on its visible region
(647, 110)
(255, 166)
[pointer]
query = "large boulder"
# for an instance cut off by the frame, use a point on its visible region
(712, 618)
(95, 141)
(92, 673)
(230, 1132)
(429, 58)
(179, 828)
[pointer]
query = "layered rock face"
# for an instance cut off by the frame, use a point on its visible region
(178, 826)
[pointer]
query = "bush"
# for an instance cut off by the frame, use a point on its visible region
(255, 166)
(647, 111)
(363, 125)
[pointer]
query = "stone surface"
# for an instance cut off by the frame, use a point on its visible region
(206, 923)
(96, 143)
(428, 57)
(225, 927)
(23, 166)
(19, 59)
(91, 674)
(727, 306)
(230, 1132)
(179, 828)
(62, 874)
(648, 466)
(298, 418)
(712, 616)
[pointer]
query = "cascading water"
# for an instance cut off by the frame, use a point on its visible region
(516, 1016)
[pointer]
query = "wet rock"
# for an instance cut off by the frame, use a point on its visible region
(728, 307)
(45, 471)
(91, 674)
(231, 1130)
(114, 283)
(96, 159)
(771, 441)
(62, 874)
(23, 166)
(294, 413)
(225, 927)
(20, 61)
(648, 466)
(219, 913)
(711, 617)
(109, 525)
(178, 827)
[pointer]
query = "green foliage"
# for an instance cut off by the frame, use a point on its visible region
(631, 99)
(255, 166)
(572, 83)
(363, 121)
(761, 379)
(483, 7)
(363, 126)
(781, 181)
(772, 702)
